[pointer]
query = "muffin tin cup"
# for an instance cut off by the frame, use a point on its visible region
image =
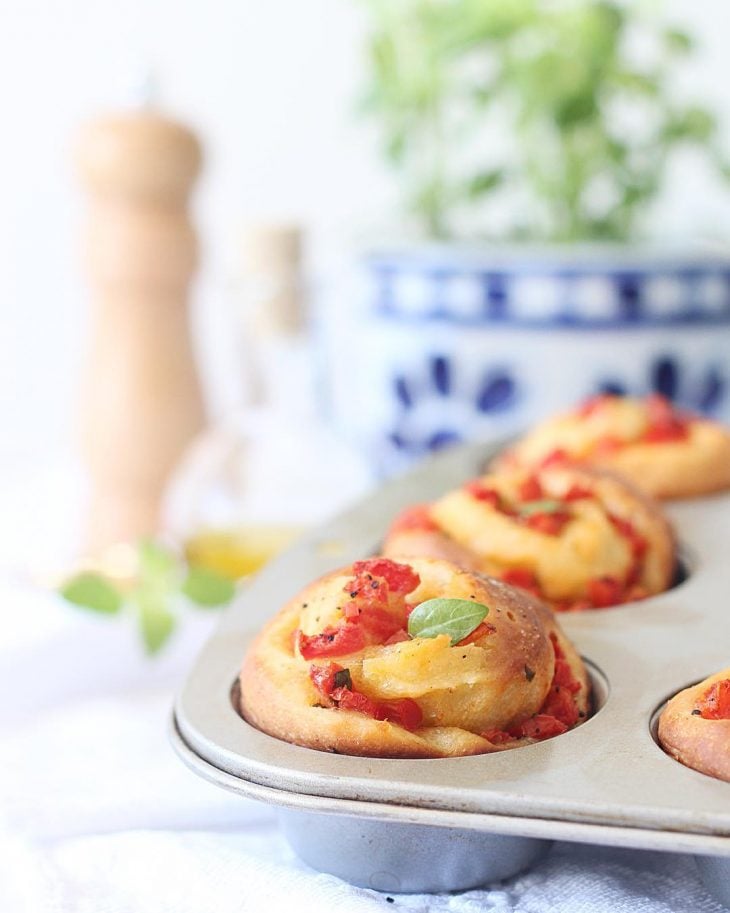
(448, 824)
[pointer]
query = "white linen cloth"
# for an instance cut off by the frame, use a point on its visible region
(97, 815)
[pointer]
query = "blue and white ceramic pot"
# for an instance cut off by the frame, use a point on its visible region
(451, 345)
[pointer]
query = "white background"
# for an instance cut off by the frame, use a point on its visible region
(272, 87)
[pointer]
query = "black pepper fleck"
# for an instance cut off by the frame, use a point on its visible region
(696, 713)
(529, 673)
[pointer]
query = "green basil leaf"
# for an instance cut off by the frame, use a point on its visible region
(156, 621)
(547, 506)
(455, 617)
(156, 561)
(206, 588)
(92, 591)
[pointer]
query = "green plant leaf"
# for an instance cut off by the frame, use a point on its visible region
(206, 588)
(484, 182)
(156, 561)
(455, 617)
(546, 506)
(92, 591)
(156, 621)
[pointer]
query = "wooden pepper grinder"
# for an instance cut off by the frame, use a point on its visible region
(142, 400)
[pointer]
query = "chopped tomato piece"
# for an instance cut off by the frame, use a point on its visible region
(482, 493)
(540, 727)
(417, 517)
(665, 422)
(557, 457)
(401, 578)
(497, 736)
(398, 637)
(335, 640)
(522, 578)
(550, 524)
(354, 700)
(531, 489)
(577, 493)
(605, 591)
(323, 677)
(482, 630)
(637, 542)
(405, 712)
(715, 702)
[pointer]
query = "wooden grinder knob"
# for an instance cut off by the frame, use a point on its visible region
(141, 403)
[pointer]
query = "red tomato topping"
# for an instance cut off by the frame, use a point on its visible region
(354, 700)
(482, 493)
(522, 578)
(401, 578)
(323, 677)
(335, 640)
(482, 630)
(557, 457)
(715, 702)
(605, 591)
(531, 489)
(577, 493)
(665, 422)
(399, 636)
(497, 736)
(540, 727)
(417, 517)
(551, 524)
(405, 712)
(637, 542)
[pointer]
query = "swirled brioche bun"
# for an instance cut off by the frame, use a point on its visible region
(336, 669)
(667, 453)
(576, 537)
(694, 727)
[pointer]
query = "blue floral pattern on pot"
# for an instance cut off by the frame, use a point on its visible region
(455, 345)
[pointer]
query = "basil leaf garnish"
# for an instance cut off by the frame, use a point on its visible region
(547, 506)
(455, 617)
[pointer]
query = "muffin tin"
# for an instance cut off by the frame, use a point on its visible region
(450, 824)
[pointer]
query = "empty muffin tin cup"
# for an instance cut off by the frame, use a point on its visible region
(406, 858)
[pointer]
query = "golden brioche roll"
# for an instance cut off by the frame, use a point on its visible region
(667, 453)
(577, 537)
(694, 727)
(514, 680)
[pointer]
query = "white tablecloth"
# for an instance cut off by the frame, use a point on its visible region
(97, 815)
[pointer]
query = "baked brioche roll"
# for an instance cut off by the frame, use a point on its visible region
(694, 727)
(666, 452)
(338, 670)
(576, 537)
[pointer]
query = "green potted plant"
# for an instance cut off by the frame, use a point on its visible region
(529, 144)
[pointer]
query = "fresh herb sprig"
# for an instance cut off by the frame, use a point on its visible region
(162, 582)
(455, 617)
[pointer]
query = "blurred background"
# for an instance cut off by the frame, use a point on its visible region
(477, 215)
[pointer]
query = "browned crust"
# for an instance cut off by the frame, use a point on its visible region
(682, 469)
(278, 698)
(703, 745)
(665, 470)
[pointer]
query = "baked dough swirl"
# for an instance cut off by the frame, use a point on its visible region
(576, 537)
(666, 452)
(694, 727)
(336, 669)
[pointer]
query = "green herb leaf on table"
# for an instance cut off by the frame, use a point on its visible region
(206, 588)
(156, 621)
(455, 617)
(92, 591)
(156, 561)
(546, 506)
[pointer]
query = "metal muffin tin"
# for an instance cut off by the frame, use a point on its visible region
(451, 824)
